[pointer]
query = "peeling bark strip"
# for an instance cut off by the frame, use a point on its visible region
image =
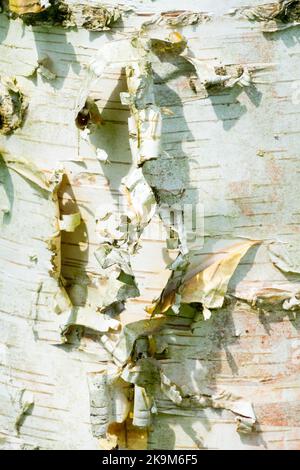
(220, 352)
(145, 127)
(23, 402)
(100, 17)
(109, 398)
(94, 18)
(283, 10)
(207, 287)
(68, 15)
(275, 16)
(48, 187)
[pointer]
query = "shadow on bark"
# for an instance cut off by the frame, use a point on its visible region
(8, 197)
(74, 249)
(62, 60)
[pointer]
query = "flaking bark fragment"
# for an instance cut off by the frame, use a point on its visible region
(145, 128)
(140, 198)
(280, 296)
(118, 283)
(146, 374)
(48, 185)
(122, 348)
(35, 12)
(175, 44)
(22, 7)
(215, 78)
(23, 402)
(283, 10)
(89, 116)
(285, 257)
(44, 68)
(141, 407)
(244, 425)
(109, 401)
(145, 125)
(12, 106)
(207, 286)
(185, 18)
(87, 318)
(94, 18)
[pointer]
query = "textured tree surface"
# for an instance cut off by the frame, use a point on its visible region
(222, 361)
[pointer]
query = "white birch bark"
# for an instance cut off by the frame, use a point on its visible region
(234, 151)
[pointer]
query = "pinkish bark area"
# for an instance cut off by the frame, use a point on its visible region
(199, 110)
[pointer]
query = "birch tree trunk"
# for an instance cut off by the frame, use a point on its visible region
(133, 109)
